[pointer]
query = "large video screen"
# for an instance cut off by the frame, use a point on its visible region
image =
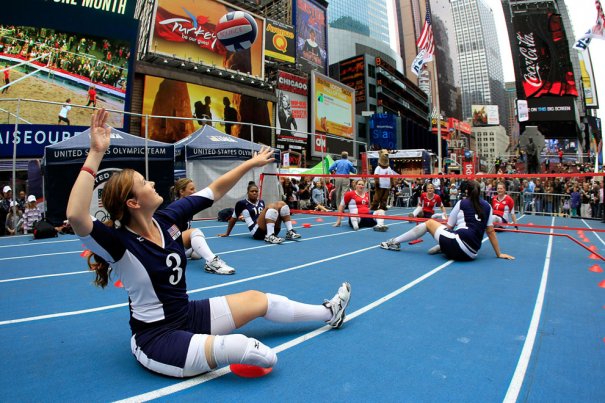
(186, 30)
(60, 51)
(203, 106)
(333, 108)
(311, 36)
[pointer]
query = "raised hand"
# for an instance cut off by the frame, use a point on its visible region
(100, 132)
(262, 157)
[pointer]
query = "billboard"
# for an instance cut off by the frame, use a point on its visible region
(279, 42)
(588, 81)
(165, 97)
(311, 36)
(333, 111)
(485, 115)
(542, 55)
(292, 111)
(352, 73)
(552, 109)
(56, 51)
(383, 131)
(186, 30)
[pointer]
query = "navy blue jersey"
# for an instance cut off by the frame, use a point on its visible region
(468, 225)
(250, 211)
(153, 276)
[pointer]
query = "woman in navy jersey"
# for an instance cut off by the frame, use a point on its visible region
(263, 221)
(143, 246)
(461, 238)
(194, 240)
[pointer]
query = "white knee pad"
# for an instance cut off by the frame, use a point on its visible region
(239, 349)
(284, 211)
(271, 214)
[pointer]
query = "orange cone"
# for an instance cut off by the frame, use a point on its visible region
(293, 222)
(118, 284)
(595, 268)
(602, 284)
(319, 220)
(594, 257)
(306, 225)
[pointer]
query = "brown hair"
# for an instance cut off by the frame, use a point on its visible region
(117, 190)
(179, 186)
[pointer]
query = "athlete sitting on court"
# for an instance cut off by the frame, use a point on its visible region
(264, 222)
(358, 202)
(428, 201)
(504, 207)
(143, 246)
(461, 238)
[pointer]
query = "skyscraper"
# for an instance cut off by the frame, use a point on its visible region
(478, 54)
(369, 18)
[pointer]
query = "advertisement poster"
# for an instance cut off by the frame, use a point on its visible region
(485, 115)
(279, 41)
(74, 55)
(292, 111)
(542, 54)
(382, 131)
(202, 105)
(311, 36)
(186, 30)
(588, 82)
(333, 107)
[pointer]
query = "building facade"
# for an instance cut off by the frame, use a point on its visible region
(491, 142)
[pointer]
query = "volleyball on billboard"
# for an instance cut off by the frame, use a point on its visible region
(236, 30)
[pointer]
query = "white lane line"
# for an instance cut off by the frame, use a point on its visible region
(594, 233)
(517, 381)
(102, 308)
(43, 276)
(16, 245)
(40, 255)
(282, 347)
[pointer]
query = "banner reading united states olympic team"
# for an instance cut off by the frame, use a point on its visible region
(187, 30)
(292, 111)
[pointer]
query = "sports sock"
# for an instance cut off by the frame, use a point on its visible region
(415, 233)
(284, 310)
(200, 246)
(239, 349)
(284, 211)
(379, 221)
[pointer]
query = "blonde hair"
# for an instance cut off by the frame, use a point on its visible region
(179, 186)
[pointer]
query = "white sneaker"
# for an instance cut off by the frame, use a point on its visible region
(292, 235)
(355, 224)
(338, 304)
(390, 245)
(273, 239)
(381, 228)
(434, 250)
(218, 266)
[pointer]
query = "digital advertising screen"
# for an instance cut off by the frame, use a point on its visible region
(165, 97)
(311, 36)
(77, 53)
(485, 115)
(187, 30)
(333, 108)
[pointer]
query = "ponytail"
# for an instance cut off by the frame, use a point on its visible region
(474, 194)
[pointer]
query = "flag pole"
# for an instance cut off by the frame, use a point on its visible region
(437, 107)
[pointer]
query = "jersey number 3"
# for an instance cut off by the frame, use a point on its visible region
(173, 261)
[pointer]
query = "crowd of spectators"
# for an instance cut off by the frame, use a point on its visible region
(101, 61)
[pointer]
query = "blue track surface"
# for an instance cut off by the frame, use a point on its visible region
(419, 328)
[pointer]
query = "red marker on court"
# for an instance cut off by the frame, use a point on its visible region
(415, 242)
(249, 371)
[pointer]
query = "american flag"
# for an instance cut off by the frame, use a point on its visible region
(597, 31)
(425, 40)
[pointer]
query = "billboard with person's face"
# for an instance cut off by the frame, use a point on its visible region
(292, 111)
(65, 53)
(186, 29)
(202, 105)
(311, 36)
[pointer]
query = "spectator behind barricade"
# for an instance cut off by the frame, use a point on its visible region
(594, 200)
(586, 197)
(341, 185)
(319, 196)
(437, 185)
(576, 200)
(21, 200)
(304, 194)
(290, 193)
(5, 206)
(453, 193)
(14, 220)
(31, 215)
(539, 197)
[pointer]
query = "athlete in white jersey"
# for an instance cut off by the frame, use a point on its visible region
(194, 240)
(144, 248)
(462, 237)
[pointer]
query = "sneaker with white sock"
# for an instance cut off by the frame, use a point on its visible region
(390, 245)
(290, 235)
(434, 250)
(271, 238)
(381, 228)
(338, 304)
(218, 266)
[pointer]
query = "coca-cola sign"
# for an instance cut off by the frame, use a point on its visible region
(543, 55)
